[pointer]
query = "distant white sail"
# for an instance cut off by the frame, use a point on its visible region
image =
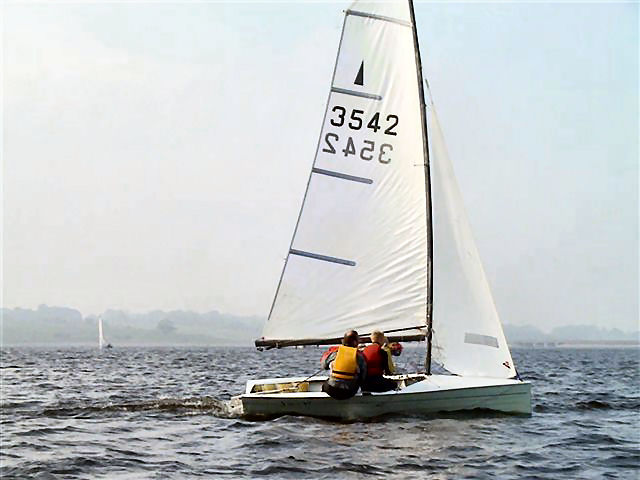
(358, 258)
(467, 334)
(101, 341)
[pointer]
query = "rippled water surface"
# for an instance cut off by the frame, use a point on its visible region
(164, 412)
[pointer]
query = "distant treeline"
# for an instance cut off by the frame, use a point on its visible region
(62, 325)
(571, 334)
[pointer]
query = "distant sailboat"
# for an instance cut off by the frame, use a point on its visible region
(102, 343)
(382, 242)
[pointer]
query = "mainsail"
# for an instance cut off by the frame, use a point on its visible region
(359, 254)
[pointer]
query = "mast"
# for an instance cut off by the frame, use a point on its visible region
(427, 176)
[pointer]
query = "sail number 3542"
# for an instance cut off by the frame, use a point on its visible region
(355, 121)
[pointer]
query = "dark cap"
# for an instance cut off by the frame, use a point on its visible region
(351, 339)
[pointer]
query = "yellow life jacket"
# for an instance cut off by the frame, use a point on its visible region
(345, 366)
(392, 367)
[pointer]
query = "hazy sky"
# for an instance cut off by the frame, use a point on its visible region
(155, 155)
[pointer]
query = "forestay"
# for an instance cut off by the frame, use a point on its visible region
(467, 334)
(358, 258)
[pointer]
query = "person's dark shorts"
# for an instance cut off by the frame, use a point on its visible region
(339, 392)
(379, 384)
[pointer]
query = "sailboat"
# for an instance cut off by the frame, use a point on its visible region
(382, 242)
(102, 343)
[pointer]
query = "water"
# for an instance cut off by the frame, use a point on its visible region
(164, 412)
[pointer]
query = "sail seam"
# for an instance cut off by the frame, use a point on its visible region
(356, 13)
(324, 258)
(371, 96)
(343, 176)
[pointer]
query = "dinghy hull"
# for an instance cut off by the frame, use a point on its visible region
(432, 394)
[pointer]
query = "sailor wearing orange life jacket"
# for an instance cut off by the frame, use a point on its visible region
(348, 368)
(379, 362)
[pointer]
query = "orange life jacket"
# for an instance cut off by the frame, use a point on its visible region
(345, 366)
(375, 365)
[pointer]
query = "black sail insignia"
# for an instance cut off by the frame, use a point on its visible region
(360, 77)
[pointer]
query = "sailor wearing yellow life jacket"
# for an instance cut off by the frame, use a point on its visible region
(348, 368)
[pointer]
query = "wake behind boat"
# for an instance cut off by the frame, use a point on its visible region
(382, 242)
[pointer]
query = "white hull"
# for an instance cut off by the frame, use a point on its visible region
(436, 393)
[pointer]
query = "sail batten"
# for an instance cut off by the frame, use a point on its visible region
(324, 258)
(355, 93)
(343, 176)
(378, 17)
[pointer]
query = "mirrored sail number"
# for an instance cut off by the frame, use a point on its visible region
(367, 151)
(356, 120)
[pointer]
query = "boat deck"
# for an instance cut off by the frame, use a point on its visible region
(415, 394)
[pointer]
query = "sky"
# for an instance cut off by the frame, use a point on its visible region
(155, 155)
